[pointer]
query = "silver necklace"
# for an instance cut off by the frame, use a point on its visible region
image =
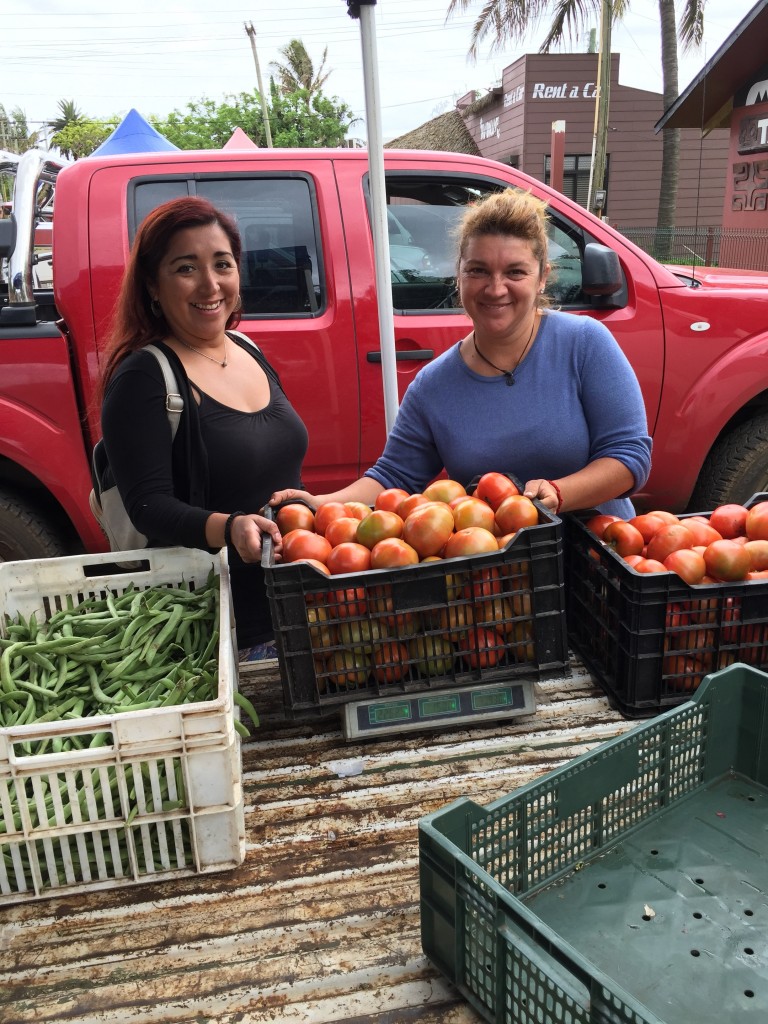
(508, 374)
(219, 362)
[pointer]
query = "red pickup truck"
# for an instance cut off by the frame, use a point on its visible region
(698, 340)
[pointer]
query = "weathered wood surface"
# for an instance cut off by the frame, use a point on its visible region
(321, 922)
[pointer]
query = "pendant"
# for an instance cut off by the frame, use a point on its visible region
(510, 379)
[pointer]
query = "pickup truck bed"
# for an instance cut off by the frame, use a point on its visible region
(321, 922)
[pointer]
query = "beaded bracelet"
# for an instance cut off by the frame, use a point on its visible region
(228, 527)
(556, 489)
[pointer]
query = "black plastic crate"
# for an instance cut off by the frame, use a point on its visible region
(650, 638)
(483, 618)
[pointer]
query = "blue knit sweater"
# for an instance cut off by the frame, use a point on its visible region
(575, 399)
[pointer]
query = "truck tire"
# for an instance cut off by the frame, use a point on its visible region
(24, 533)
(736, 468)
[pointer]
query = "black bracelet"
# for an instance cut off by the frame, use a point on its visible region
(228, 527)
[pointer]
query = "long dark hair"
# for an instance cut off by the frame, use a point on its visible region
(134, 324)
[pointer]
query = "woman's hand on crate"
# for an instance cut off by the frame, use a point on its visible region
(245, 535)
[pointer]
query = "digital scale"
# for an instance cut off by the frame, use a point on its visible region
(430, 710)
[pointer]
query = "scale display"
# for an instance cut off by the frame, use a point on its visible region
(411, 712)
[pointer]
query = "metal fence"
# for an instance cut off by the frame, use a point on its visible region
(742, 248)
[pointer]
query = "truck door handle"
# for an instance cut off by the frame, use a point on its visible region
(422, 354)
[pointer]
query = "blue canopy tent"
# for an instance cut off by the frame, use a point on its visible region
(134, 135)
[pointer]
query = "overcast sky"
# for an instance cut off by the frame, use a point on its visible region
(159, 56)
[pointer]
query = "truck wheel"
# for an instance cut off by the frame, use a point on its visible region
(24, 534)
(736, 468)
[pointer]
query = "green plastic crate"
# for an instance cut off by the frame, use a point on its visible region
(628, 887)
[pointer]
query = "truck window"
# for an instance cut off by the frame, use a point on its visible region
(280, 271)
(423, 216)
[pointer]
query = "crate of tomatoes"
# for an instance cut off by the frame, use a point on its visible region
(657, 602)
(420, 592)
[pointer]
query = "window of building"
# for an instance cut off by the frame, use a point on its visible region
(576, 177)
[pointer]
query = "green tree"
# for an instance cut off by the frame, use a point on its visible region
(296, 119)
(296, 71)
(15, 136)
(510, 21)
(80, 138)
(68, 115)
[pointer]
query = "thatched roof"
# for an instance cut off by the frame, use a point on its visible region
(446, 132)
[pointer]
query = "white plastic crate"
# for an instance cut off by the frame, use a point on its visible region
(93, 818)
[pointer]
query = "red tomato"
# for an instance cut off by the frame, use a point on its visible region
(315, 563)
(326, 513)
(473, 512)
(650, 565)
(390, 498)
(494, 488)
(473, 540)
(515, 512)
(727, 561)
(391, 552)
(390, 661)
(294, 517)
(340, 530)
(427, 528)
(668, 517)
(729, 520)
(349, 557)
(305, 544)
(377, 526)
(758, 554)
(347, 604)
(632, 560)
(623, 538)
(703, 532)
(688, 565)
(647, 524)
(756, 526)
(482, 647)
(407, 505)
(669, 538)
(505, 539)
(444, 490)
(598, 523)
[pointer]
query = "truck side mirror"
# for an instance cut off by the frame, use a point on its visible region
(601, 274)
(7, 236)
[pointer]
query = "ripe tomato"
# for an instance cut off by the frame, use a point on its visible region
(455, 620)
(294, 517)
(756, 526)
(482, 647)
(392, 552)
(647, 524)
(494, 488)
(727, 561)
(702, 531)
(331, 510)
(632, 560)
(650, 565)
(473, 512)
(515, 512)
(377, 526)
(482, 585)
(427, 528)
(390, 661)
(444, 490)
(340, 530)
(729, 520)
(390, 498)
(669, 538)
(407, 505)
(623, 538)
(669, 517)
(347, 604)
(315, 563)
(758, 554)
(305, 544)
(688, 565)
(598, 523)
(349, 557)
(473, 540)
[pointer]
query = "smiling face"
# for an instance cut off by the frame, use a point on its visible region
(500, 280)
(197, 284)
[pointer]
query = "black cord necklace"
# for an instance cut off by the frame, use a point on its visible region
(508, 374)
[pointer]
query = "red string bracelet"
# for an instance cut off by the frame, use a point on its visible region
(556, 489)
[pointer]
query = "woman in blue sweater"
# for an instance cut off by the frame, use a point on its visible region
(544, 395)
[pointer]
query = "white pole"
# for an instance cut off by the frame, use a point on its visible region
(379, 213)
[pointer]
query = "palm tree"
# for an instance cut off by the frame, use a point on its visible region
(511, 20)
(297, 71)
(68, 115)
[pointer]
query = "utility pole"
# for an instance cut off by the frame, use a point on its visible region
(596, 199)
(251, 33)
